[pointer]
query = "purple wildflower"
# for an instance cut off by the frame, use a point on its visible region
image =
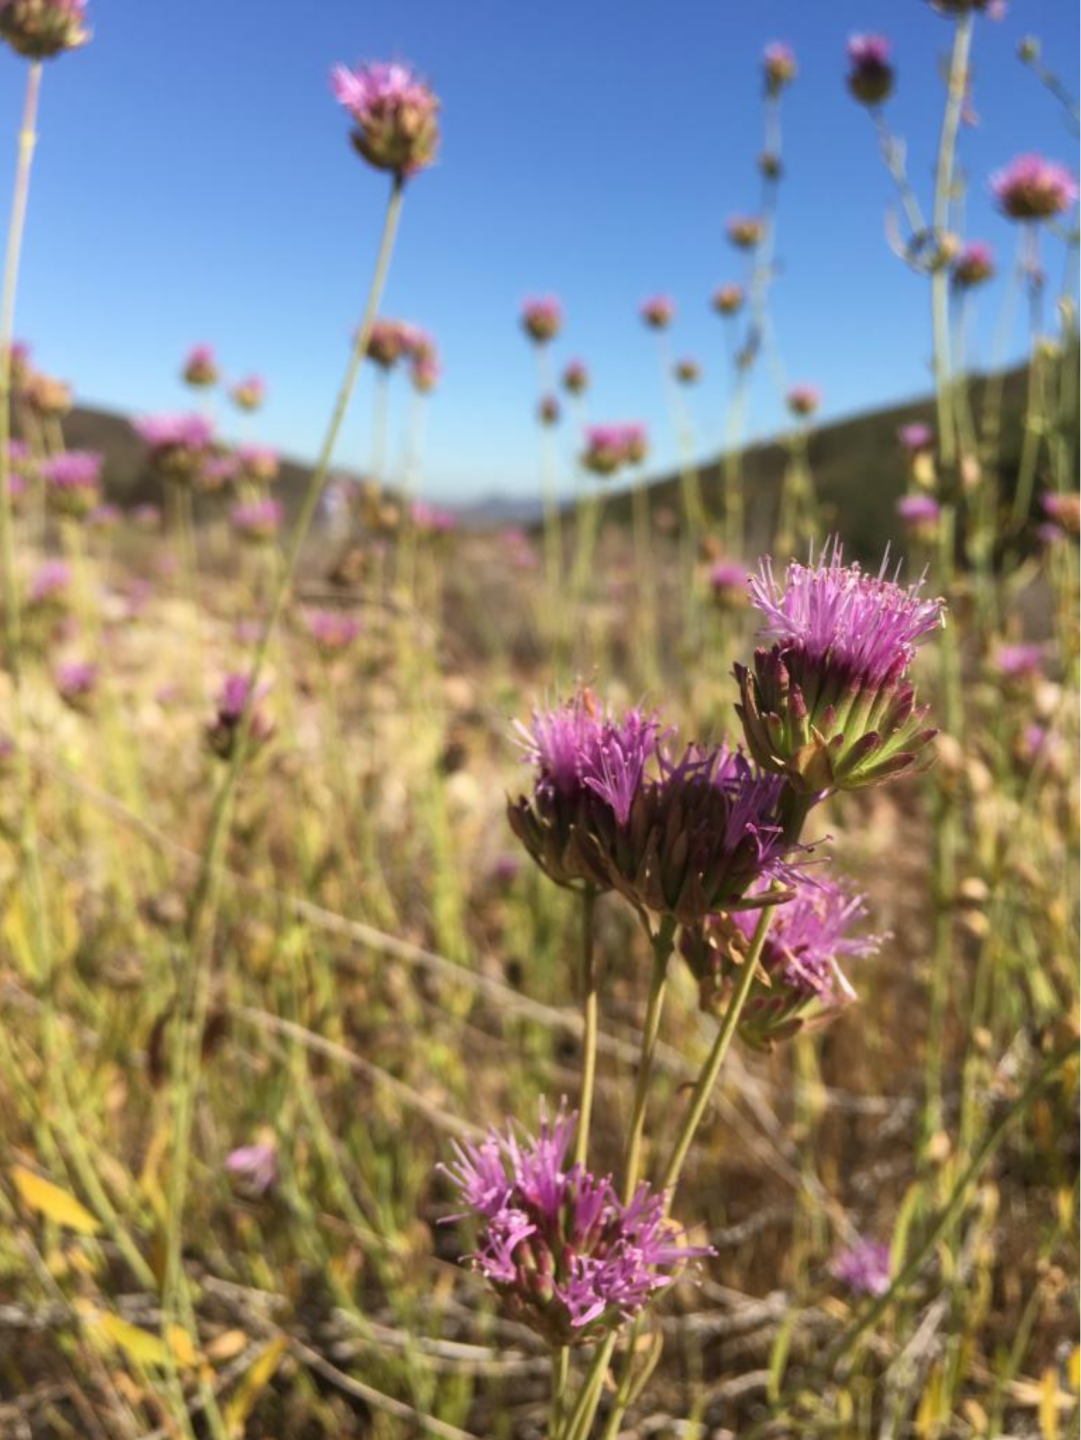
(49, 583)
(916, 439)
(201, 366)
(386, 343)
(332, 630)
(728, 299)
(803, 400)
(728, 584)
(232, 701)
(249, 393)
(256, 520)
(395, 114)
(542, 318)
(563, 1253)
(178, 443)
(76, 681)
(830, 705)
(258, 464)
(217, 474)
(779, 66)
(1063, 510)
(658, 311)
(254, 1167)
(864, 1268)
(432, 519)
(920, 515)
(104, 517)
(870, 73)
(975, 264)
(548, 410)
(575, 377)
(687, 371)
(745, 231)
(40, 29)
(1032, 188)
(1018, 662)
(73, 481)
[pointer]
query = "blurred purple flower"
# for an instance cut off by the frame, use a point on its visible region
(542, 318)
(870, 73)
(1018, 662)
(1032, 188)
(864, 1267)
(658, 311)
(395, 113)
(974, 265)
(254, 1167)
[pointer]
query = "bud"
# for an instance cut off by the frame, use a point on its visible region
(575, 378)
(728, 299)
(542, 318)
(870, 74)
(201, 366)
(745, 231)
(548, 410)
(687, 371)
(658, 312)
(803, 400)
(779, 67)
(40, 29)
(249, 394)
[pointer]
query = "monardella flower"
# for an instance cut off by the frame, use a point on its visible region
(395, 114)
(201, 366)
(609, 447)
(803, 400)
(562, 1252)
(231, 704)
(745, 231)
(386, 343)
(920, 515)
(864, 1268)
(254, 1169)
(542, 318)
(73, 481)
(575, 378)
(778, 67)
(916, 439)
(974, 265)
(1019, 662)
(333, 631)
(76, 681)
(257, 464)
(40, 29)
(249, 394)
(800, 981)
(694, 839)
(178, 443)
(49, 584)
(1032, 188)
(658, 311)
(578, 751)
(217, 474)
(870, 73)
(687, 371)
(728, 299)
(728, 584)
(830, 705)
(258, 520)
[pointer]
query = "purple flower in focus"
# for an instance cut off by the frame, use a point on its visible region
(73, 481)
(395, 115)
(40, 29)
(542, 318)
(830, 704)
(254, 1167)
(864, 1268)
(870, 73)
(1032, 188)
(565, 1256)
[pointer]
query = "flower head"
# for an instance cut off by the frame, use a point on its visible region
(256, 520)
(47, 396)
(609, 447)
(728, 584)
(1019, 662)
(864, 1268)
(745, 231)
(728, 299)
(257, 464)
(40, 29)
(800, 980)
(803, 400)
(779, 66)
(1063, 510)
(333, 631)
(49, 583)
(542, 318)
(254, 1168)
(575, 378)
(563, 1253)
(73, 481)
(548, 411)
(394, 112)
(687, 371)
(916, 438)
(658, 311)
(201, 366)
(234, 699)
(76, 682)
(870, 73)
(920, 515)
(250, 393)
(1032, 188)
(975, 264)
(178, 443)
(432, 519)
(829, 704)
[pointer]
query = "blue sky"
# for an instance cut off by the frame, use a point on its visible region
(193, 181)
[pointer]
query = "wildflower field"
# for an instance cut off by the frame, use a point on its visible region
(610, 976)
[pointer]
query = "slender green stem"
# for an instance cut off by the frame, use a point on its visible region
(589, 1034)
(582, 1415)
(662, 951)
(201, 918)
(561, 1365)
(707, 1077)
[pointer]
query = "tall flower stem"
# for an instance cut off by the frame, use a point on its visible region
(589, 1033)
(662, 952)
(202, 913)
(707, 1077)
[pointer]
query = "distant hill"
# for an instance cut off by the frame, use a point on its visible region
(858, 467)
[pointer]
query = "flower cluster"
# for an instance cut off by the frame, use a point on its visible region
(73, 481)
(609, 447)
(1032, 188)
(829, 704)
(799, 979)
(232, 702)
(870, 73)
(40, 29)
(256, 520)
(395, 115)
(542, 318)
(564, 1254)
(179, 444)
